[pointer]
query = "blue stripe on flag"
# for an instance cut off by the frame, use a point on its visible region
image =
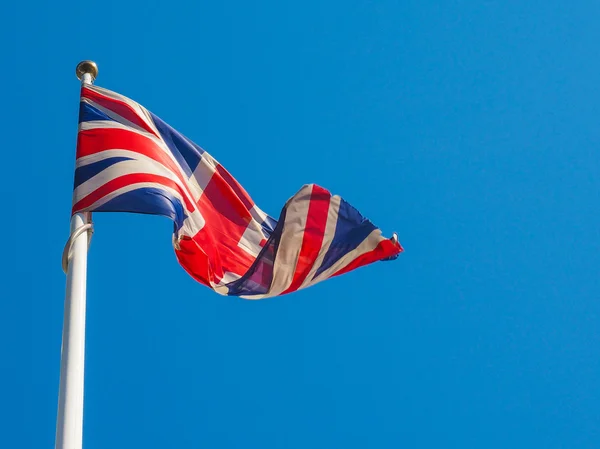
(351, 229)
(147, 200)
(187, 153)
(88, 113)
(268, 225)
(82, 174)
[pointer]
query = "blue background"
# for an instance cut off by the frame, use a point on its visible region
(469, 127)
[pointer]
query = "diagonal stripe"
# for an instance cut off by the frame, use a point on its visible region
(386, 248)
(186, 152)
(288, 251)
(191, 223)
(314, 232)
(140, 164)
(113, 124)
(367, 245)
(88, 113)
(86, 172)
(145, 200)
(118, 106)
(111, 120)
(122, 181)
(137, 108)
(106, 154)
(236, 187)
(351, 229)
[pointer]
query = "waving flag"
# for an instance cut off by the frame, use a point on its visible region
(129, 160)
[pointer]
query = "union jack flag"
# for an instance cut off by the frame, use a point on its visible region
(129, 160)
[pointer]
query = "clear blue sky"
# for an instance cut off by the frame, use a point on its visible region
(471, 128)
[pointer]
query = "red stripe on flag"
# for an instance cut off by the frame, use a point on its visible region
(314, 232)
(194, 260)
(123, 181)
(226, 218)
(385, 248)
(221, 250)
(236, 187)
(208, 255)
(119, 107)
(220, 195)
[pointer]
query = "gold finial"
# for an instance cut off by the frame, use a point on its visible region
(87, 67)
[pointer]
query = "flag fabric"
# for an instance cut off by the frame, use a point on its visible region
(129, 160)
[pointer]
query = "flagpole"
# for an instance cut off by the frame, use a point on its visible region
(69, 420)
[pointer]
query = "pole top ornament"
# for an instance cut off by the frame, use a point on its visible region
(87, 67)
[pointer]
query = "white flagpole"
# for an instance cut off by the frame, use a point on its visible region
(69, 420)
